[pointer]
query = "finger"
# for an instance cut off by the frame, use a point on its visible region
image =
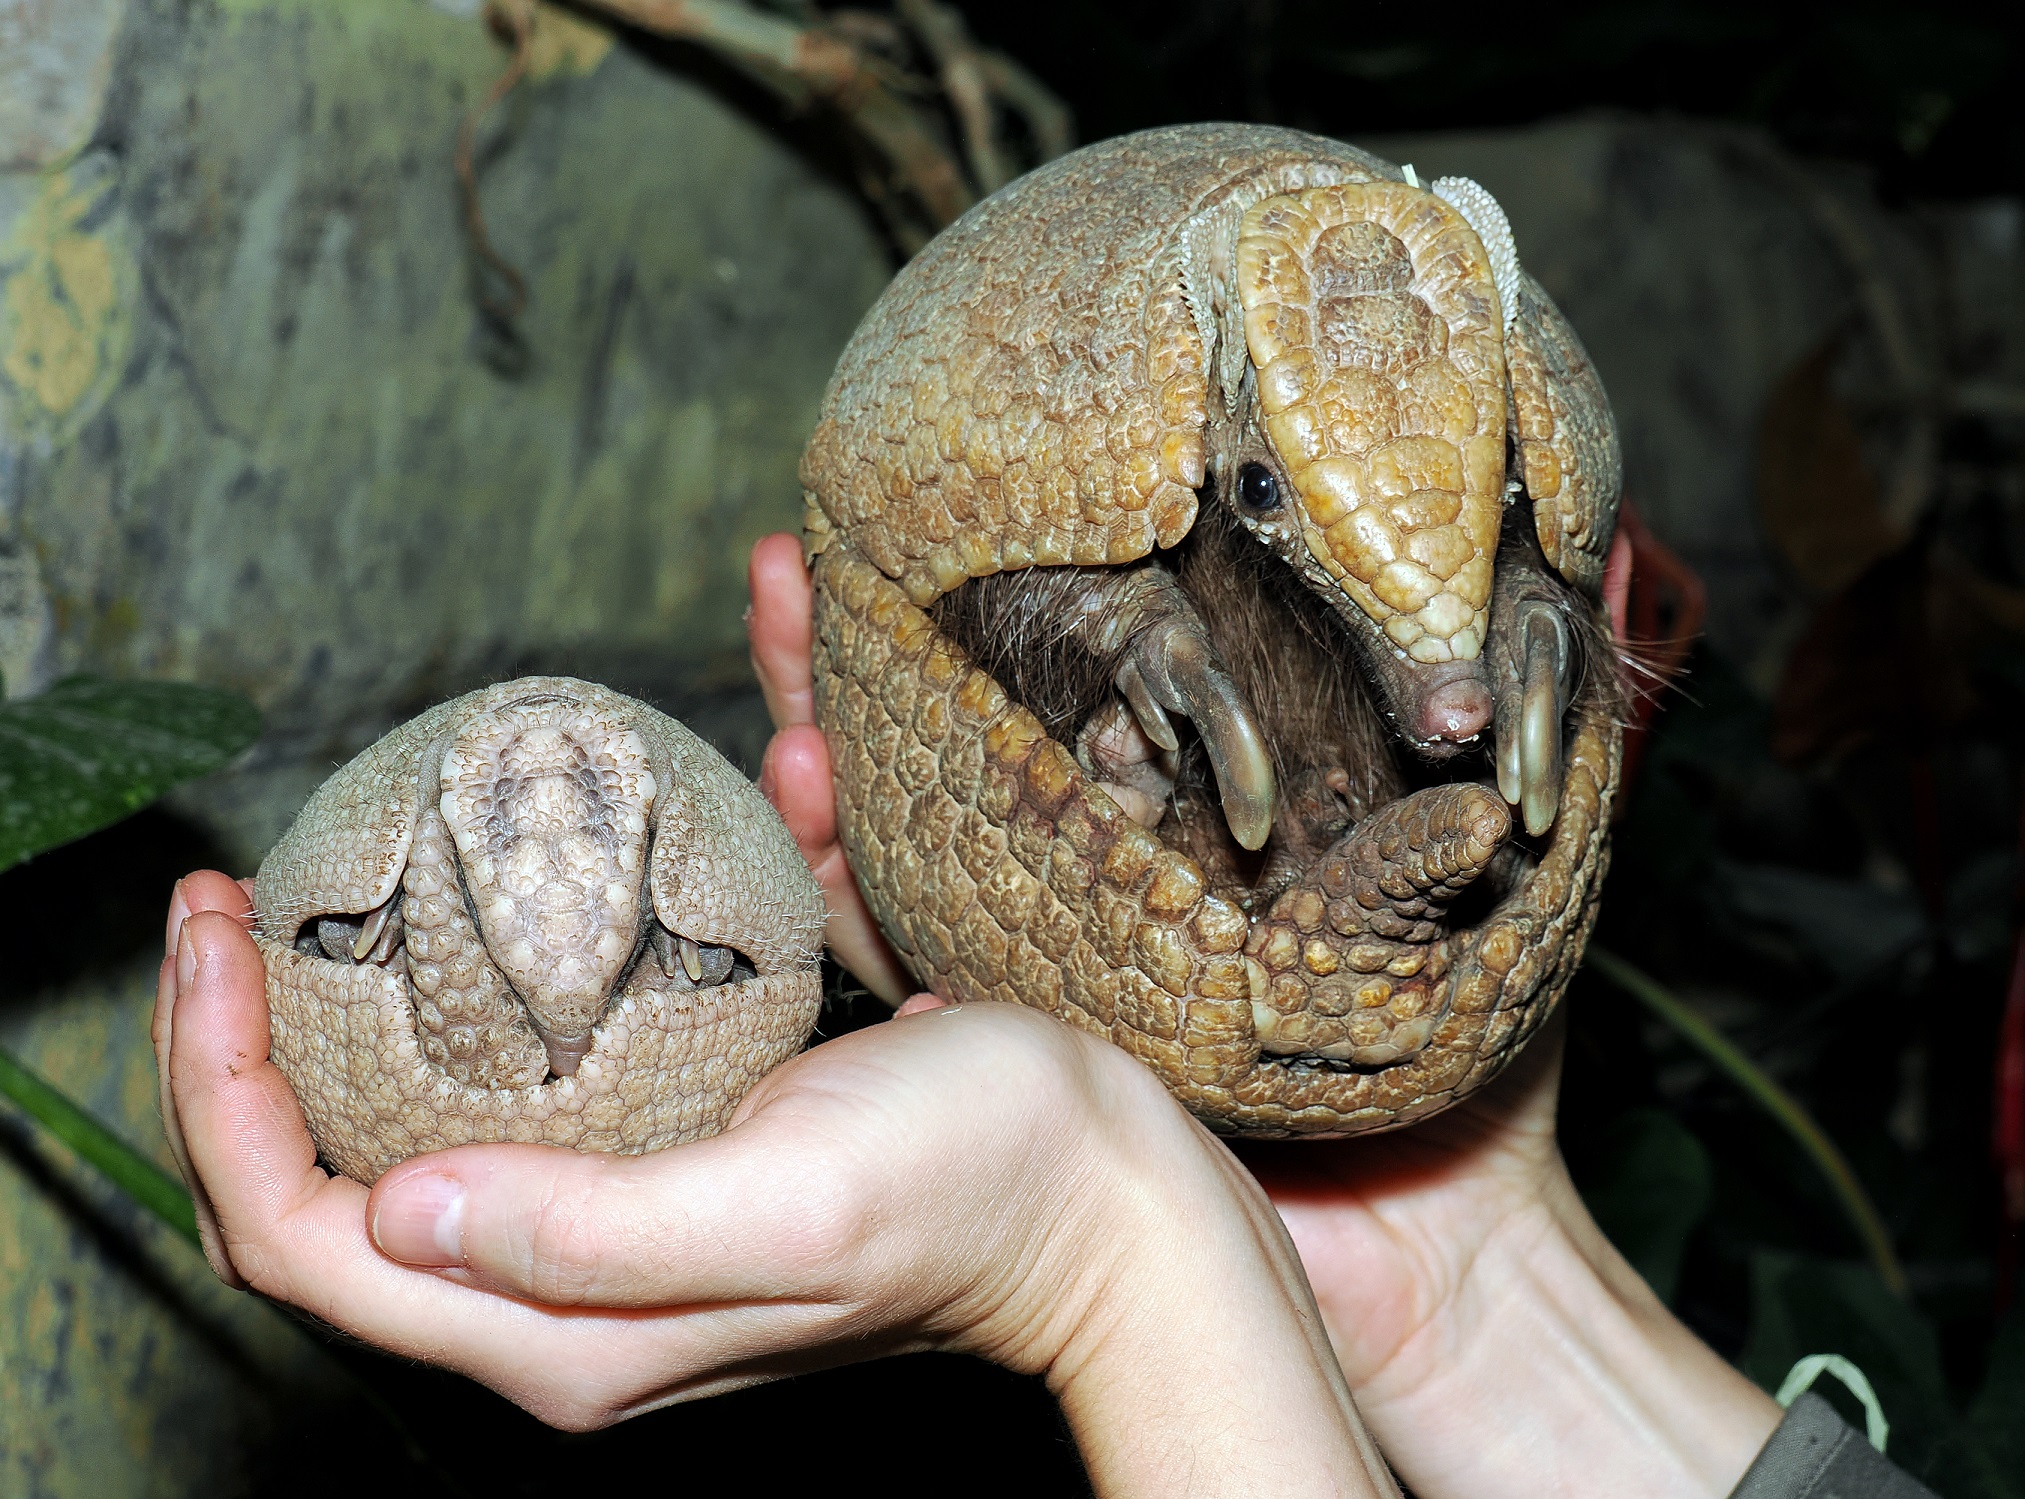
(749, 1216)
(824, 1193)
(245, 1145)
(205, 890)
(1617, 581)
(780, 626)
(208, 890)
(917, 1003)
(795, 776)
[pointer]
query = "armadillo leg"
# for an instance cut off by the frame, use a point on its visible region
(1352, 958)
(1167, 665)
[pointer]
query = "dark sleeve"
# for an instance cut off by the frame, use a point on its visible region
(1813, 1455)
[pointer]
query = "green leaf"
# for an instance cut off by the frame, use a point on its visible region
(89, 752)
(1648, 1190)
(129, 1170)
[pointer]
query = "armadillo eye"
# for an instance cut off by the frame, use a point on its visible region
(1257, 490)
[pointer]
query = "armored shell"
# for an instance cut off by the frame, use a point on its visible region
(1047, 385)
(541, 912)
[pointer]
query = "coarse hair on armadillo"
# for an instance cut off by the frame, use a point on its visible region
(1291, 656)
(1606, 667)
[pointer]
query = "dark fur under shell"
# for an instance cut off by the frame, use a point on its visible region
(1300, 667)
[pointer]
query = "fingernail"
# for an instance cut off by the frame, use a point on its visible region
(186, 964)
(179, 912)
(421, 1221)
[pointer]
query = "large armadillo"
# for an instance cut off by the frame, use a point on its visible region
(539, 912)
(1208, 533)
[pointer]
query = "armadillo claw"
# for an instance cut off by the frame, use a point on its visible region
(1175, 665)
(378, 934)
(1532, 705)
(1152, 718)
(1541, 712)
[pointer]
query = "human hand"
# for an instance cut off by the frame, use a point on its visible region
(795, 775)
(978, 1178)
(1495, 1340)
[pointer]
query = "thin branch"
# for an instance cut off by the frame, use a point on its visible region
(794, 58)
(1764, 1091)
(516, 19)
(946, 39)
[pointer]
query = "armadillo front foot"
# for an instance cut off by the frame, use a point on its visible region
(1167, 665)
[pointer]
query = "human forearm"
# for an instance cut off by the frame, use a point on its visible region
(1202, 1366)
(1550, 1367)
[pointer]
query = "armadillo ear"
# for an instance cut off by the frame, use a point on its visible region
(1567, 439)
(1209, 281)
(724, 871)
(346, 849)
(1566, 433)
(1485, 215)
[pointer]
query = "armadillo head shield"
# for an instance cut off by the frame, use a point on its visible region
(549, 803)
(1373, 319)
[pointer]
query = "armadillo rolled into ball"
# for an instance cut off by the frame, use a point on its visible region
(541, 912)
(1208, 533)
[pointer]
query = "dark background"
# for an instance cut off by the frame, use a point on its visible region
(1926, 96)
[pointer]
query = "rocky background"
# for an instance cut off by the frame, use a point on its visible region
(267, 423)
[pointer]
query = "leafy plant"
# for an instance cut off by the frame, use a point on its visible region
(89, 752)
(77, 758)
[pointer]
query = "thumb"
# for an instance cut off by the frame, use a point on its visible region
(736, 1218)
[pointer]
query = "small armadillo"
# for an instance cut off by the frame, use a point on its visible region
(1208, 533)
(541, 912)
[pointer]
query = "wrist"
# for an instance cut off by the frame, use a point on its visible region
(1551, 1367)
(1193, 1359)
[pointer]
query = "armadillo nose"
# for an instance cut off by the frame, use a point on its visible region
(1456, 711)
